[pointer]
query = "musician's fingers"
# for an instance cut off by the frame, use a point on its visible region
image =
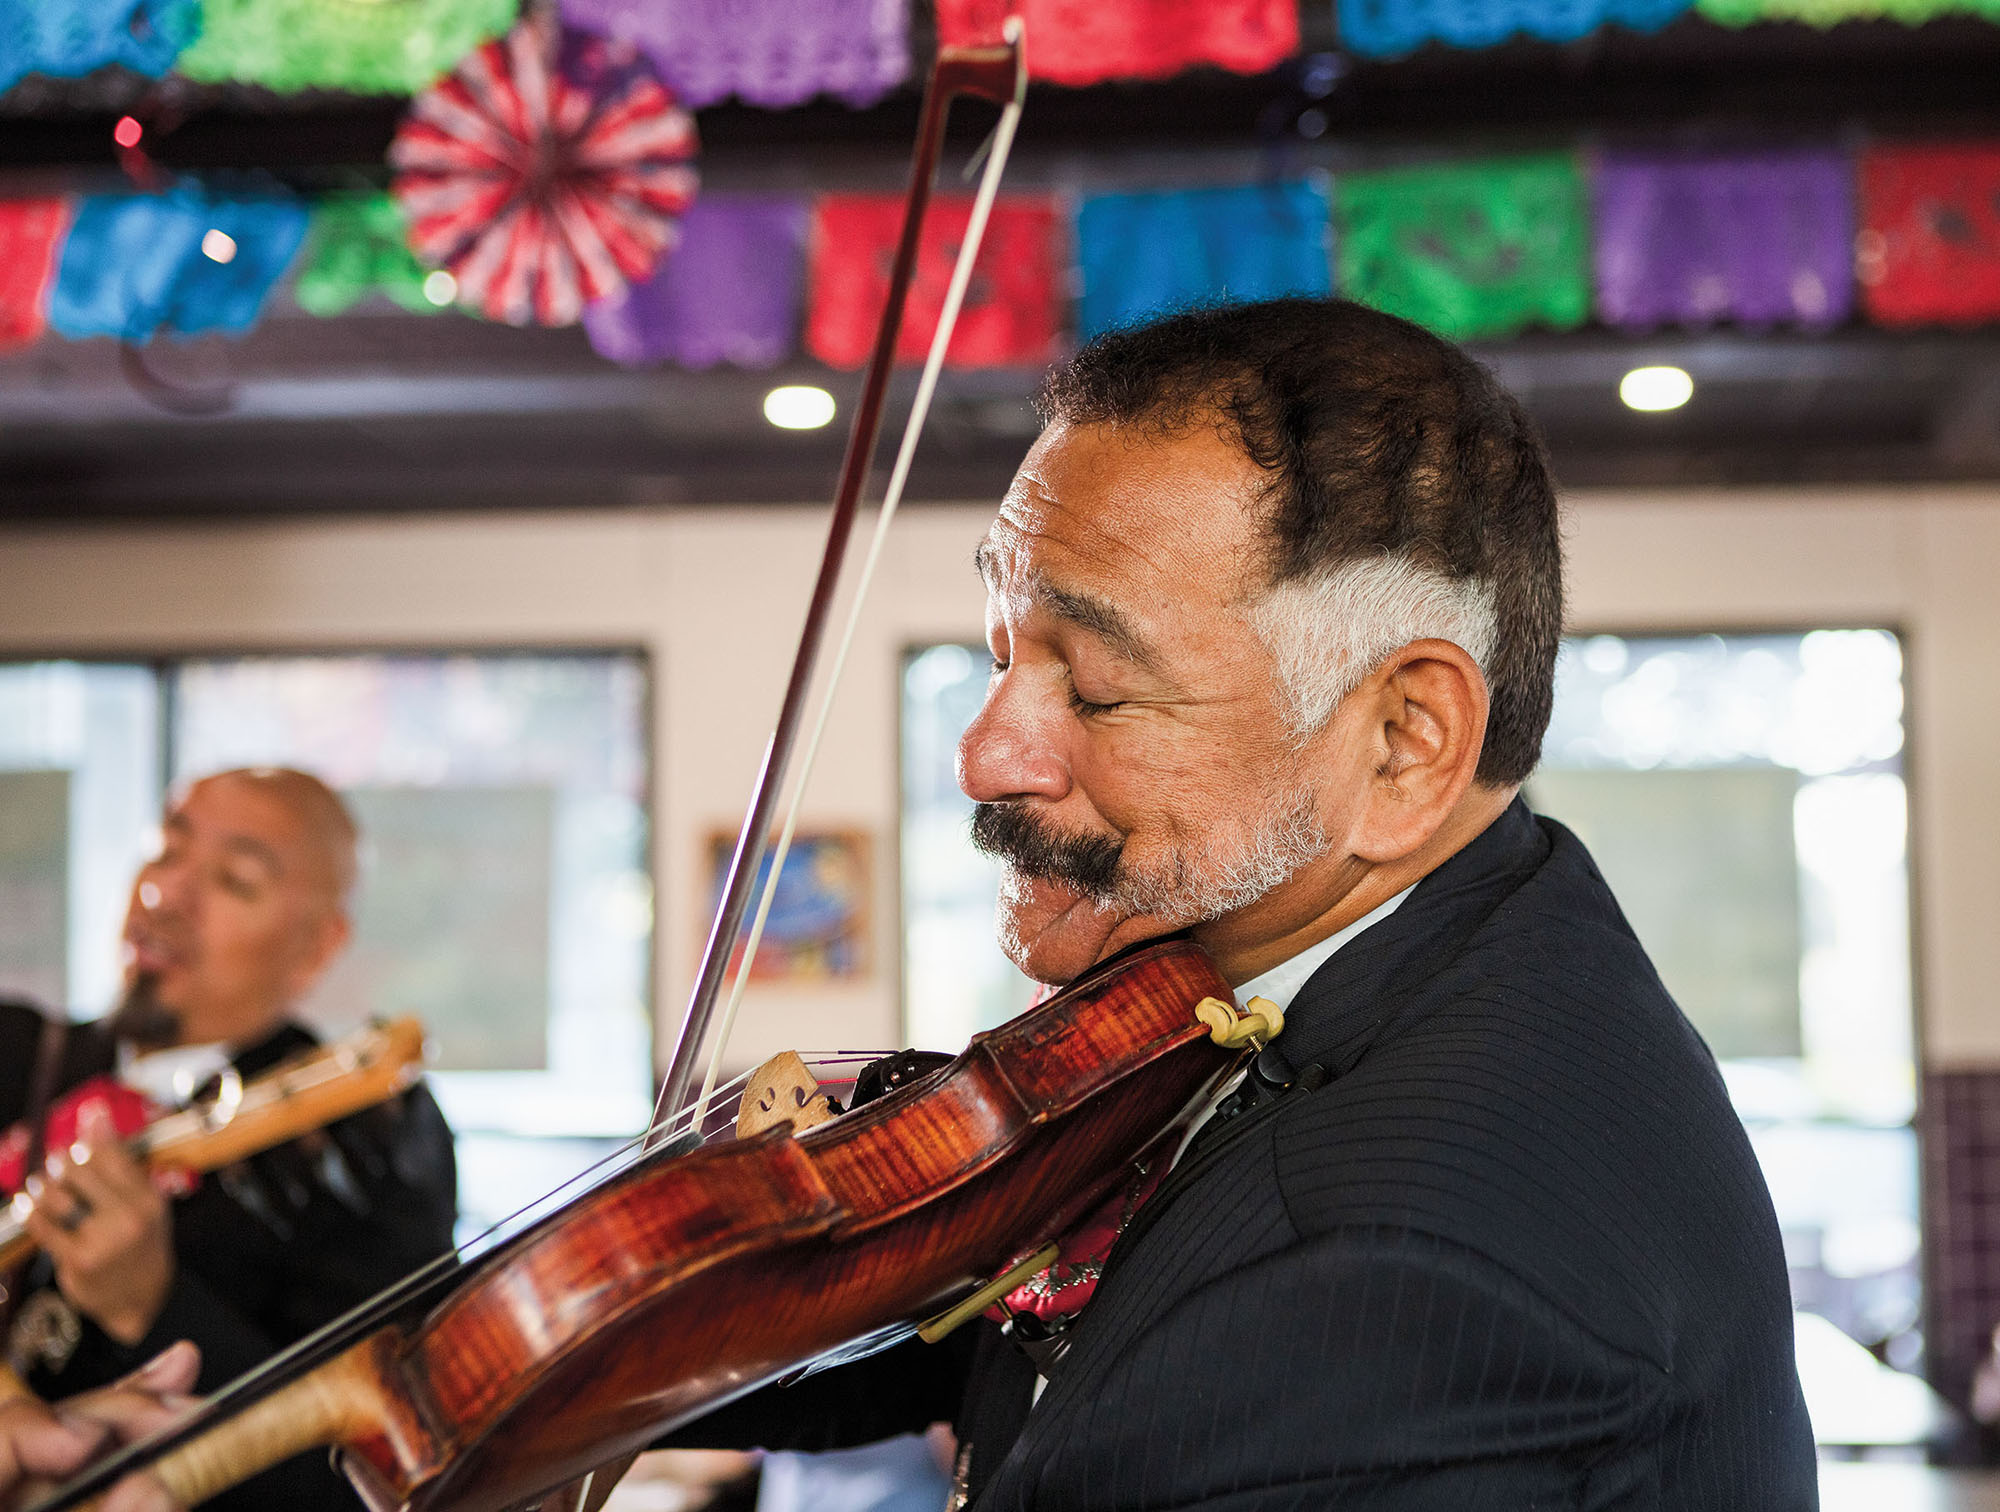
(50, 1215)
(138, 1493)
(36, 1444)
(171, 1372)
(87, 1185)
(100, 1151)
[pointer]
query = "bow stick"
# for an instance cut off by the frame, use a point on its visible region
(993, 73)
(998, 74)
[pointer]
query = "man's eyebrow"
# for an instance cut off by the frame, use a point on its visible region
(1095, 616)
(1103, 619)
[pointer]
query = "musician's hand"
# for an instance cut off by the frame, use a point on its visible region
(107, 1230)
(41, 1444)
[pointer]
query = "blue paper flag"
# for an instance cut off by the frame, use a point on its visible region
(69, 38)
(135, 264)
(1143, 254)
(1386, 28)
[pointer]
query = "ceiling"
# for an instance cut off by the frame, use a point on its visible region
(386, 411)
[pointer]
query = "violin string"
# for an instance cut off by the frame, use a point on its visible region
(1001, 143)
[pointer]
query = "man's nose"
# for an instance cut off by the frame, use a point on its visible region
(163, 888)
(1011, 749)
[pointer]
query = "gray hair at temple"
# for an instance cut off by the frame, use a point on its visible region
(1326, 631)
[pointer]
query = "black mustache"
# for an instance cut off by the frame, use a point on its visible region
(1035, 848)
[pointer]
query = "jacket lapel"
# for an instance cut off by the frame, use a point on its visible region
(1338, 1013)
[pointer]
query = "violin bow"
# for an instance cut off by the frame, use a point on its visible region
(998, 74)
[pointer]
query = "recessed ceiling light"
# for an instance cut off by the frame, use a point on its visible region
(1656, 388)
(218, 246)
(798, 406)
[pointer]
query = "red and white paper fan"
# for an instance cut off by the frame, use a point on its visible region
(547, 171)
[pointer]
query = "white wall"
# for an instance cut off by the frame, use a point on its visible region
(716, 597)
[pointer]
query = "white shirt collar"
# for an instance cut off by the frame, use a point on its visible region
(1282, 982)
(171, 1077)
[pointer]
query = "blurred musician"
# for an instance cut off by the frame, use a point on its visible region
(228, 928)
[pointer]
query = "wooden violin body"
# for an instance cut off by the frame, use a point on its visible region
(689, 1281)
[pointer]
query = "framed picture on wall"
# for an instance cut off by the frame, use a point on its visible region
(820, 921)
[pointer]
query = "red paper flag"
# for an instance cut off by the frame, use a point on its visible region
(1929, 247)
(1089, 41)
(1012, 313)
(31, 234)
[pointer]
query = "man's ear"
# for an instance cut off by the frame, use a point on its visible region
(1425, 710)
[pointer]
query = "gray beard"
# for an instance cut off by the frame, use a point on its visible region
(1190, 890)
(141, 1020)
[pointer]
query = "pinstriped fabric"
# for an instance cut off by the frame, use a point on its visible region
(1516, 1253)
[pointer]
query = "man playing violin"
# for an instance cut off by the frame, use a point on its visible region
(1274, 605)
(229, 927)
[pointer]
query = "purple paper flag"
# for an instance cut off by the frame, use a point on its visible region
(729, 292)
(768, 52)
(1758, 238)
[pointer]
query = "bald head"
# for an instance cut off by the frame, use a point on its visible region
(243, 909)
(331, 839)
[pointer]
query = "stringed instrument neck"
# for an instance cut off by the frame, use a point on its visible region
(294, 1098)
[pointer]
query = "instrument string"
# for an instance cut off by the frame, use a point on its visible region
(995, 152)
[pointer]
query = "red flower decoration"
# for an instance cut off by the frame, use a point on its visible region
(546, 172)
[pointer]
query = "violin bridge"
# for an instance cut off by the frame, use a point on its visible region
(1260, 1022)
(781, 1091)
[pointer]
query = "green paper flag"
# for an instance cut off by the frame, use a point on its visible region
(355, 248)
(366, 46)
(1824, 13)
(1468, 249)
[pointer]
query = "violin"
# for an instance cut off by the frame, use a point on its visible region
(700, 1273)
(302, 1093)
(687, 1281)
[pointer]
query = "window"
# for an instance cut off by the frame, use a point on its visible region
(1744, 795)
(504, 899)
(955, 980)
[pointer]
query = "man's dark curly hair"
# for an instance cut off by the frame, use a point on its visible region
(1378, 438)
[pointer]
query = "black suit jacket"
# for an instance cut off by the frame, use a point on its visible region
(1514, 1252)
(267, 1250)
